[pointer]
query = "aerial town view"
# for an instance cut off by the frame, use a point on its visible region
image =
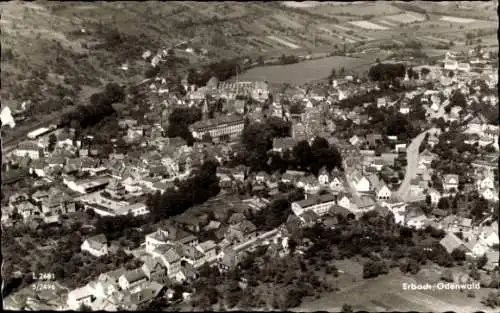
(250, 156)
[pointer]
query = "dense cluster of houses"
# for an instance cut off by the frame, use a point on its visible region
(173, 254)
(116, 185)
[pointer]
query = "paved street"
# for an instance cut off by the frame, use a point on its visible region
(411, 167)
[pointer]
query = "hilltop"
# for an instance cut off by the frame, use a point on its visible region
(56, 53)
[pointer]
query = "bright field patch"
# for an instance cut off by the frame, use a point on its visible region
(368, 25)
(457, 19)
(406, 18)
(303, 72)
(284, 42)
(387, 23)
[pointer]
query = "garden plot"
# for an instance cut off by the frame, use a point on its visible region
(359, 9)
(388, 23)
(460, 20)
(284, 42)
(406, 18)
(368, 25)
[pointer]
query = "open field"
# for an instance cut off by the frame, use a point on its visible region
(368, 25)
(457, 19)
(385, 293)
(303, 4)
(284, 42)
(306, 71)
(406, 18)
(356, 9)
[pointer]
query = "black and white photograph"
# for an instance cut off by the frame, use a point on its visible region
(298, 156)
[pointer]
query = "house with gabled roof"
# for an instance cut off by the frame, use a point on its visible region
(208, 249)
(80, 296)
(450, 182)
(187, 273)
(489, 234)
(309, 184)
(132, 279)
(435, 195)
(451, 242)
(96, 245)
(426, 157)
(476, 248)
(309, 218)
(344, 200)
(360, 182)
(336, 183)
(190, 255)
(154, 269)
(242, 231)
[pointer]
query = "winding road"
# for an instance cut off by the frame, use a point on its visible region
(412, 165)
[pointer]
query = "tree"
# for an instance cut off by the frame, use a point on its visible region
(52, 142)
(152, 71)
(374, 269)
(443, 204)
(424, 71)
(302, 154)
(333, 74)
(346, 308)
(458, 255)
(482, 261)
(296, 108)
(179, 121)
(479, 207)
(85, 308)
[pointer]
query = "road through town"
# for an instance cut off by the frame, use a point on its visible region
(412, 164)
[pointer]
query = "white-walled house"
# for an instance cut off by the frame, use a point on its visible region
(450, 182)
(96, 245)
(384, 193)
(489, 194)
(360, 182)
(336, 183)
(323, 177)
(485, 182)
(344, 201)
(417, 222)
(208, 248)
(476, 248)
(435, 195)
(132, 279)
(489, 235)
(319, 204)
(156, 239)
(80, 296)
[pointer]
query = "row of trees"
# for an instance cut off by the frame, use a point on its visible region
(197, 189)
(386, 72)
